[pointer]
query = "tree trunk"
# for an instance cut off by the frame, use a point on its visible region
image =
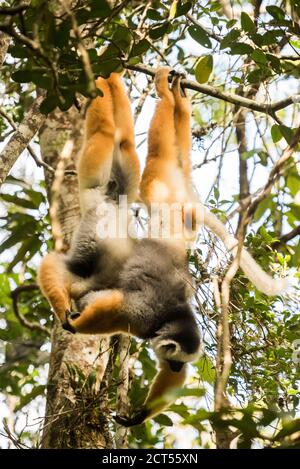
(75, 414)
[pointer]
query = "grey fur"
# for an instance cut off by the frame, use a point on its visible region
(153, 275)
(155, 280)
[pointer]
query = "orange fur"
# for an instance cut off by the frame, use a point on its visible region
(108, 129)
(167, 170)
(103, 315)
(165, 382)
(55, 282)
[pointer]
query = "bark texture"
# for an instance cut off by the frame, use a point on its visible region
(21, 138)
(75, 413)
(4, 43)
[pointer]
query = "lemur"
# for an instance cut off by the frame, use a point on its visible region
(138, 287)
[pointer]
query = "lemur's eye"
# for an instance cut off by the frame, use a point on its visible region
(169, 348)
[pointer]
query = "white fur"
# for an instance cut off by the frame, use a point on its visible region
(263, 282)
(177, 354)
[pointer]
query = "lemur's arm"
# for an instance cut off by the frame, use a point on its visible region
(160, 396)
(170, 130)
(157, 178)
(182, 119)
(55, 283)
(125, 135)
(103, 314)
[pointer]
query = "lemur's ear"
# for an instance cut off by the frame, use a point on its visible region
(166, 348)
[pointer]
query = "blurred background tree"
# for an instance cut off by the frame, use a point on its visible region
(242, 62)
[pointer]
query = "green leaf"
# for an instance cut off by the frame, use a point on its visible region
(122, 37)
(22, 76)
(31, 246)
(247, 23)
(248, 154)
(24, 400)
(39, 78)
(49, 104)
(203, 69)
(230, 38)
(67, 100)
(230, 23)
(182, 9)
(259, 57)
(14, 199)
(154, 15)
(105, 68)
(258, 75)
(263, 207)
(19, 52)
(159, 31)
(63, 33)
(206, 369)
(288, 429)
(163, 420)
(287, 133)
(295, 43)
(100, 9)
(200, 35)
(275, 133)
(140, 48)
(240, 48)
(293, 182)
(269, 38)
(237, 80)
(263, 155)
(16, 236)
(276, 12)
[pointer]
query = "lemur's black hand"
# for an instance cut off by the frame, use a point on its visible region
(66, 324)
(136, 419)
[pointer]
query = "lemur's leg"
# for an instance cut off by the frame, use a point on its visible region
(182, 119)
(104, 315)
(55, 283)
(182, 124)
(162, 155)
(95, 160)
(159, 397)
(125, 133)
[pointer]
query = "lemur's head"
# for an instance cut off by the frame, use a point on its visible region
(179, 340)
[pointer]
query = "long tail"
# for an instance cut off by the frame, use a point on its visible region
(262, 281)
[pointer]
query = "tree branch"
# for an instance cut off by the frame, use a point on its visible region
(13, 10)
(275, 173)
(4, 43)
(33, 326)
(236, 99)
(37, 160)
(287, 237)
(20, 139)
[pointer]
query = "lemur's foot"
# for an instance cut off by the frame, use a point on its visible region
(178, 73)
(177, 88)
(162, 82)
(136, 419)
(66, 324)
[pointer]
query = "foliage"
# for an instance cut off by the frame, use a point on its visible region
(233, 54)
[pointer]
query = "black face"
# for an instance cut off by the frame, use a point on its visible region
(175, 365)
